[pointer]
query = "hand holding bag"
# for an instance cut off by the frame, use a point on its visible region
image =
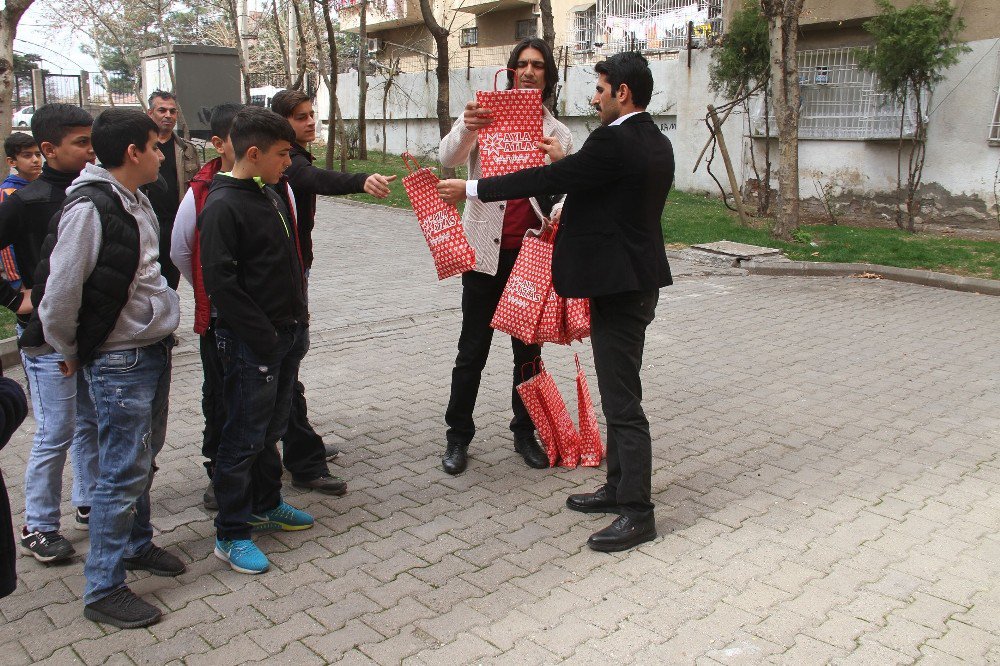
(439, 221)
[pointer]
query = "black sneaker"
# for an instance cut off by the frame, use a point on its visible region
(48, 547)
(122, 609)
(157, 562)
(208, 499)
(328, 484)
(83, 517)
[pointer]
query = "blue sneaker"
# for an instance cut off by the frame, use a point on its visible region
(243, 555)
(282, 517)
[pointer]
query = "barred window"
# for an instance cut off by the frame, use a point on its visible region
(995, 123)
(470, 36)
(582, 27)
(842, 101)
(656, 25)
(526, 28)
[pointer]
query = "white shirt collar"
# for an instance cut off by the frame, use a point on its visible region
(622, 119)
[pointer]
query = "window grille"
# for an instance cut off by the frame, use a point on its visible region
(582, 27)
(470, 36)
(526, 28)
(655, 25)
(842, 101)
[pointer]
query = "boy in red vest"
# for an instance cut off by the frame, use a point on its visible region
(184, 252)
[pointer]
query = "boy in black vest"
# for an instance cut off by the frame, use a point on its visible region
(252, 271)
(61, 405)
(105, 306)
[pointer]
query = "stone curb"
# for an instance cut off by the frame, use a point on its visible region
(925, 278)
(9, 355)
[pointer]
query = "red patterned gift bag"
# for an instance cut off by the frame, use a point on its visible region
(508, 144)
(591, 446)
(523, 299)
(551, 325)
(532, 399)
(439, 220)
(577, 319)
(567, 438)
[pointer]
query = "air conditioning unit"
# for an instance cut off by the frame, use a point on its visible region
(375, 44)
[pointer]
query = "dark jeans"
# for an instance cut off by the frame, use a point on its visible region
(213, 404)
(258, 397)
(305, 453)
(618, 334)
(480, 296)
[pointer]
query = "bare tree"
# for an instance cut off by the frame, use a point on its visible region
(328, 70)
(362, 79)
(279, 35)
(783, 29)
(548, 24)
(440, 35)
(10, 16)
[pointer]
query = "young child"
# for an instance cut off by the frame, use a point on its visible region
(62, 408)
(252, 270)
(25, 158)
(305, 452)
(106, 307)
(185, 253)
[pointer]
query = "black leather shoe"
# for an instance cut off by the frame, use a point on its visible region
(595, 502)
(622, 534)
(455, 459)
(531, 452)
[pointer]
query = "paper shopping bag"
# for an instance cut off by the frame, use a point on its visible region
(566, 436)
(551, 325)
(591, 446)
(509, 143)
(532, 399)
(522, 301)
(577, 326)
(439, 221)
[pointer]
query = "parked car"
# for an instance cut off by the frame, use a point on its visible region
(22, 117)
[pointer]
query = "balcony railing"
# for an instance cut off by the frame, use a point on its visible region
(482, 6)
(382, 15)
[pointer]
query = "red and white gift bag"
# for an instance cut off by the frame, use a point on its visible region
(528, 286)
(577, 325)
(567, 438)
(532, 399)
(440, 222)
(508, 144)
(591, 446)
(552, 324)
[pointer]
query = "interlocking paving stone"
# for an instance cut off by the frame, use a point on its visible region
(826, 473)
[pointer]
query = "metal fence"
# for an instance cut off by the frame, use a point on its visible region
(994, 128)
(62, 89)
(842, 101)
(24, 92)
(117, 91)
(278, 80)
(646, 25)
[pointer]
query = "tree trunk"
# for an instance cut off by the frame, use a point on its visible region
(234, 20)
(279, 33)
(783, 25)
(548, 24)
(10, 16)
(440, 35)
(362, 80)
(765, 202)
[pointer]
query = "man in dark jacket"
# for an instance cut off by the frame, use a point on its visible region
(609, 249)
(305, 452)
(252, 271)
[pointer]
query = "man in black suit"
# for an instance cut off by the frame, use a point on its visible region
(609, 249)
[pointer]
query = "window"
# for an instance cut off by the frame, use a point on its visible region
(526, 28)
(841, 101)
(470, 36)
(656, 25)
(995, 125)
(582, 27)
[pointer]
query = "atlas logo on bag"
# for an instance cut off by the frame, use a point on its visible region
(512, 142)
(438, 223)
(521, 288)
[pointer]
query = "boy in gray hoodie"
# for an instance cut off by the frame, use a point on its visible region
(106, 307)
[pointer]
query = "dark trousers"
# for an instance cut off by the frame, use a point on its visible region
(618, 334)
(258, 397)
(213, 404)
(480, 296)
(305, 453)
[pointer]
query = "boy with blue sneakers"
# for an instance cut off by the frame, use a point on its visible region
(252, 271)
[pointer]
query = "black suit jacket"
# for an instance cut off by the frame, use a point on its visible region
(610, 240)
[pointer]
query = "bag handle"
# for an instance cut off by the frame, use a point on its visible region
(504, 69)
(407, 158)
(579, 368)
(536, 366)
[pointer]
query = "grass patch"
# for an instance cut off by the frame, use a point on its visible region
(7, 321)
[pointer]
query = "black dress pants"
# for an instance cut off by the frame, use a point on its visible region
(480, 296)
(618, 334)
(213, 405)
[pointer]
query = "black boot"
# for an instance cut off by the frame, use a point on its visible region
(455, 458)
(532, 453)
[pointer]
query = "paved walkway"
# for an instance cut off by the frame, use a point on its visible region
(826, 474)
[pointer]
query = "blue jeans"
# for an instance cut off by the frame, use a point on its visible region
(130, 390)
(258, 398)
(64, 422)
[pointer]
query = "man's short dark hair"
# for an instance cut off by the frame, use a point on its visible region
(53, 122)
(117, 129)
(16, 142)
(551, 69)
(162, 94)
(284, 102)
(222, 119)
(254, 126)
(632, 69)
